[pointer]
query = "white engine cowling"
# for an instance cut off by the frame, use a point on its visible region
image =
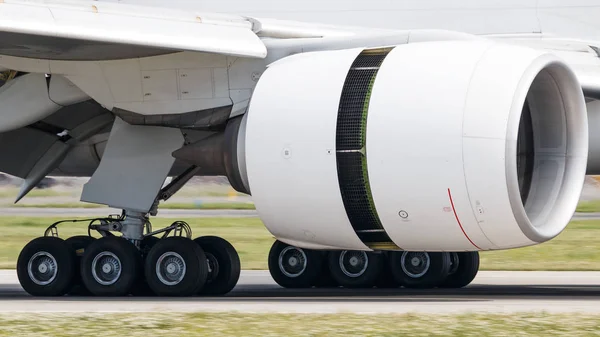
(436, 146)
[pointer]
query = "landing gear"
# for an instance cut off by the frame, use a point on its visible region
(224, 265)
(137, 262)
(46, 267)
(356, 269)
(111, 266)
(78, 245)
(176, 266)
(142, 288)
(420, 269)
(463, 269)
(293, 267)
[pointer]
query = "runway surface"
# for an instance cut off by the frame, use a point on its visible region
(166, 213)
(495, 292)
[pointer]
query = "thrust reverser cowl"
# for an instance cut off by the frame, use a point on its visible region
(437, 146)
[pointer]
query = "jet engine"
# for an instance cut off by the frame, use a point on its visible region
(434, 146)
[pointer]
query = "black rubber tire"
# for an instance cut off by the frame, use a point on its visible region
(436, 274)
(142, 289)
(195, 264)
(325, 280)
(468, 266)
(65, 260)
(308, 277)
(78, 245)
(228, 268)
(386, 278)
(131, 266)
(146, 245)
(367, 279)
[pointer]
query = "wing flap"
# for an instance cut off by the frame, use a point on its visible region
(133, 25)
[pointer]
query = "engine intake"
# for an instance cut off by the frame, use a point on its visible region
(436, 146)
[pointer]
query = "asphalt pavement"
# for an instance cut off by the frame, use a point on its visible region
(492, 292)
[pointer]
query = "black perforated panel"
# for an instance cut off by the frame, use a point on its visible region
(350, 145)
(352, 111)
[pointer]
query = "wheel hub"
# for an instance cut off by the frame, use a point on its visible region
(353, 263)
(454, 262)
(106, 268)
(170, 268)
(415, 264)
(213, 267)
(42, 268)
(292, 261)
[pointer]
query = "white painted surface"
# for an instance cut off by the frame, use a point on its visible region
(290, 150)
(414, 145)
(26, 99)
(463, 139)
(134, 25)
(593, 109)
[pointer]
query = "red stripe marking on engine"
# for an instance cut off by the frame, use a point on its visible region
(459, 224)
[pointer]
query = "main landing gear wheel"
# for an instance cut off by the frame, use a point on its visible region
(176, 266)
(464, 268)
(293, 267)
(420, 269)
(355, 269)
(223, 265)
(111, 266)
(45, 267)
(78, 245)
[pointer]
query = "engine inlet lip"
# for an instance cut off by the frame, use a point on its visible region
(543, 229)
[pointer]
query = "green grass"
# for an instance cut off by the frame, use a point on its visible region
(575, 249)
(589, 206)
(237, 324)
(209, 205)
(173, 205)
(11, 192)
(57, 205)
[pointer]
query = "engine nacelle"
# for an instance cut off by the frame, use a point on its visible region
(437, 146)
